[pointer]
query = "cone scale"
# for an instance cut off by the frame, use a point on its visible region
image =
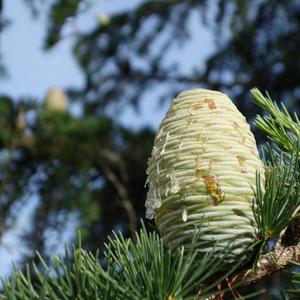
(202, 173)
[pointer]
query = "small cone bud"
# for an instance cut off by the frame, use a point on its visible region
(103, 19)
(56, 99)
(202, 173)
(21, 120)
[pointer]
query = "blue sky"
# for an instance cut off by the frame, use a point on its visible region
(32, 72)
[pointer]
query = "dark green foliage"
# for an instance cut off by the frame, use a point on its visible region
(276, 203)
(294, 292)
(281, 195)
(141, 270)
(59, 12)
(279, 126)
(7, 114)
(65, 161)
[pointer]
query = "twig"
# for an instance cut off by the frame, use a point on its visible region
(270, 263)
(111, 176)
(283, 232)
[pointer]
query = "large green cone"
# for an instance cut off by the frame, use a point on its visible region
(202, 173)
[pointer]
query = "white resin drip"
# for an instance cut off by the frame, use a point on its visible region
(175, 188)
(147, 182)
(165, 144)
(184, 214)
(152, 203)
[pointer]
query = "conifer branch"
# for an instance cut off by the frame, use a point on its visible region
(276, 206)
(126, 202)
(102, 160)
(133, 271)
(279, 126)
(274, 261)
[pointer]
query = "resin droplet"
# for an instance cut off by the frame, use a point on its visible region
(150, 215)
(211, 103)
(147, 182)
(213, 189)
(184, 214)
(212, 164)
(165, 144)
(242, 160)
(167, 191)
(154, 151)
(197, 106)
(174, 184)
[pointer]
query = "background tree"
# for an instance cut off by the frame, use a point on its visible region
(92, 167)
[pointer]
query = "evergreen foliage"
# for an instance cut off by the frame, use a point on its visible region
(279, 126)
(141, 270)
(276, 202)
(294, 293)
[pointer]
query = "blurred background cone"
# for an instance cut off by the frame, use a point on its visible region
(56, 99)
